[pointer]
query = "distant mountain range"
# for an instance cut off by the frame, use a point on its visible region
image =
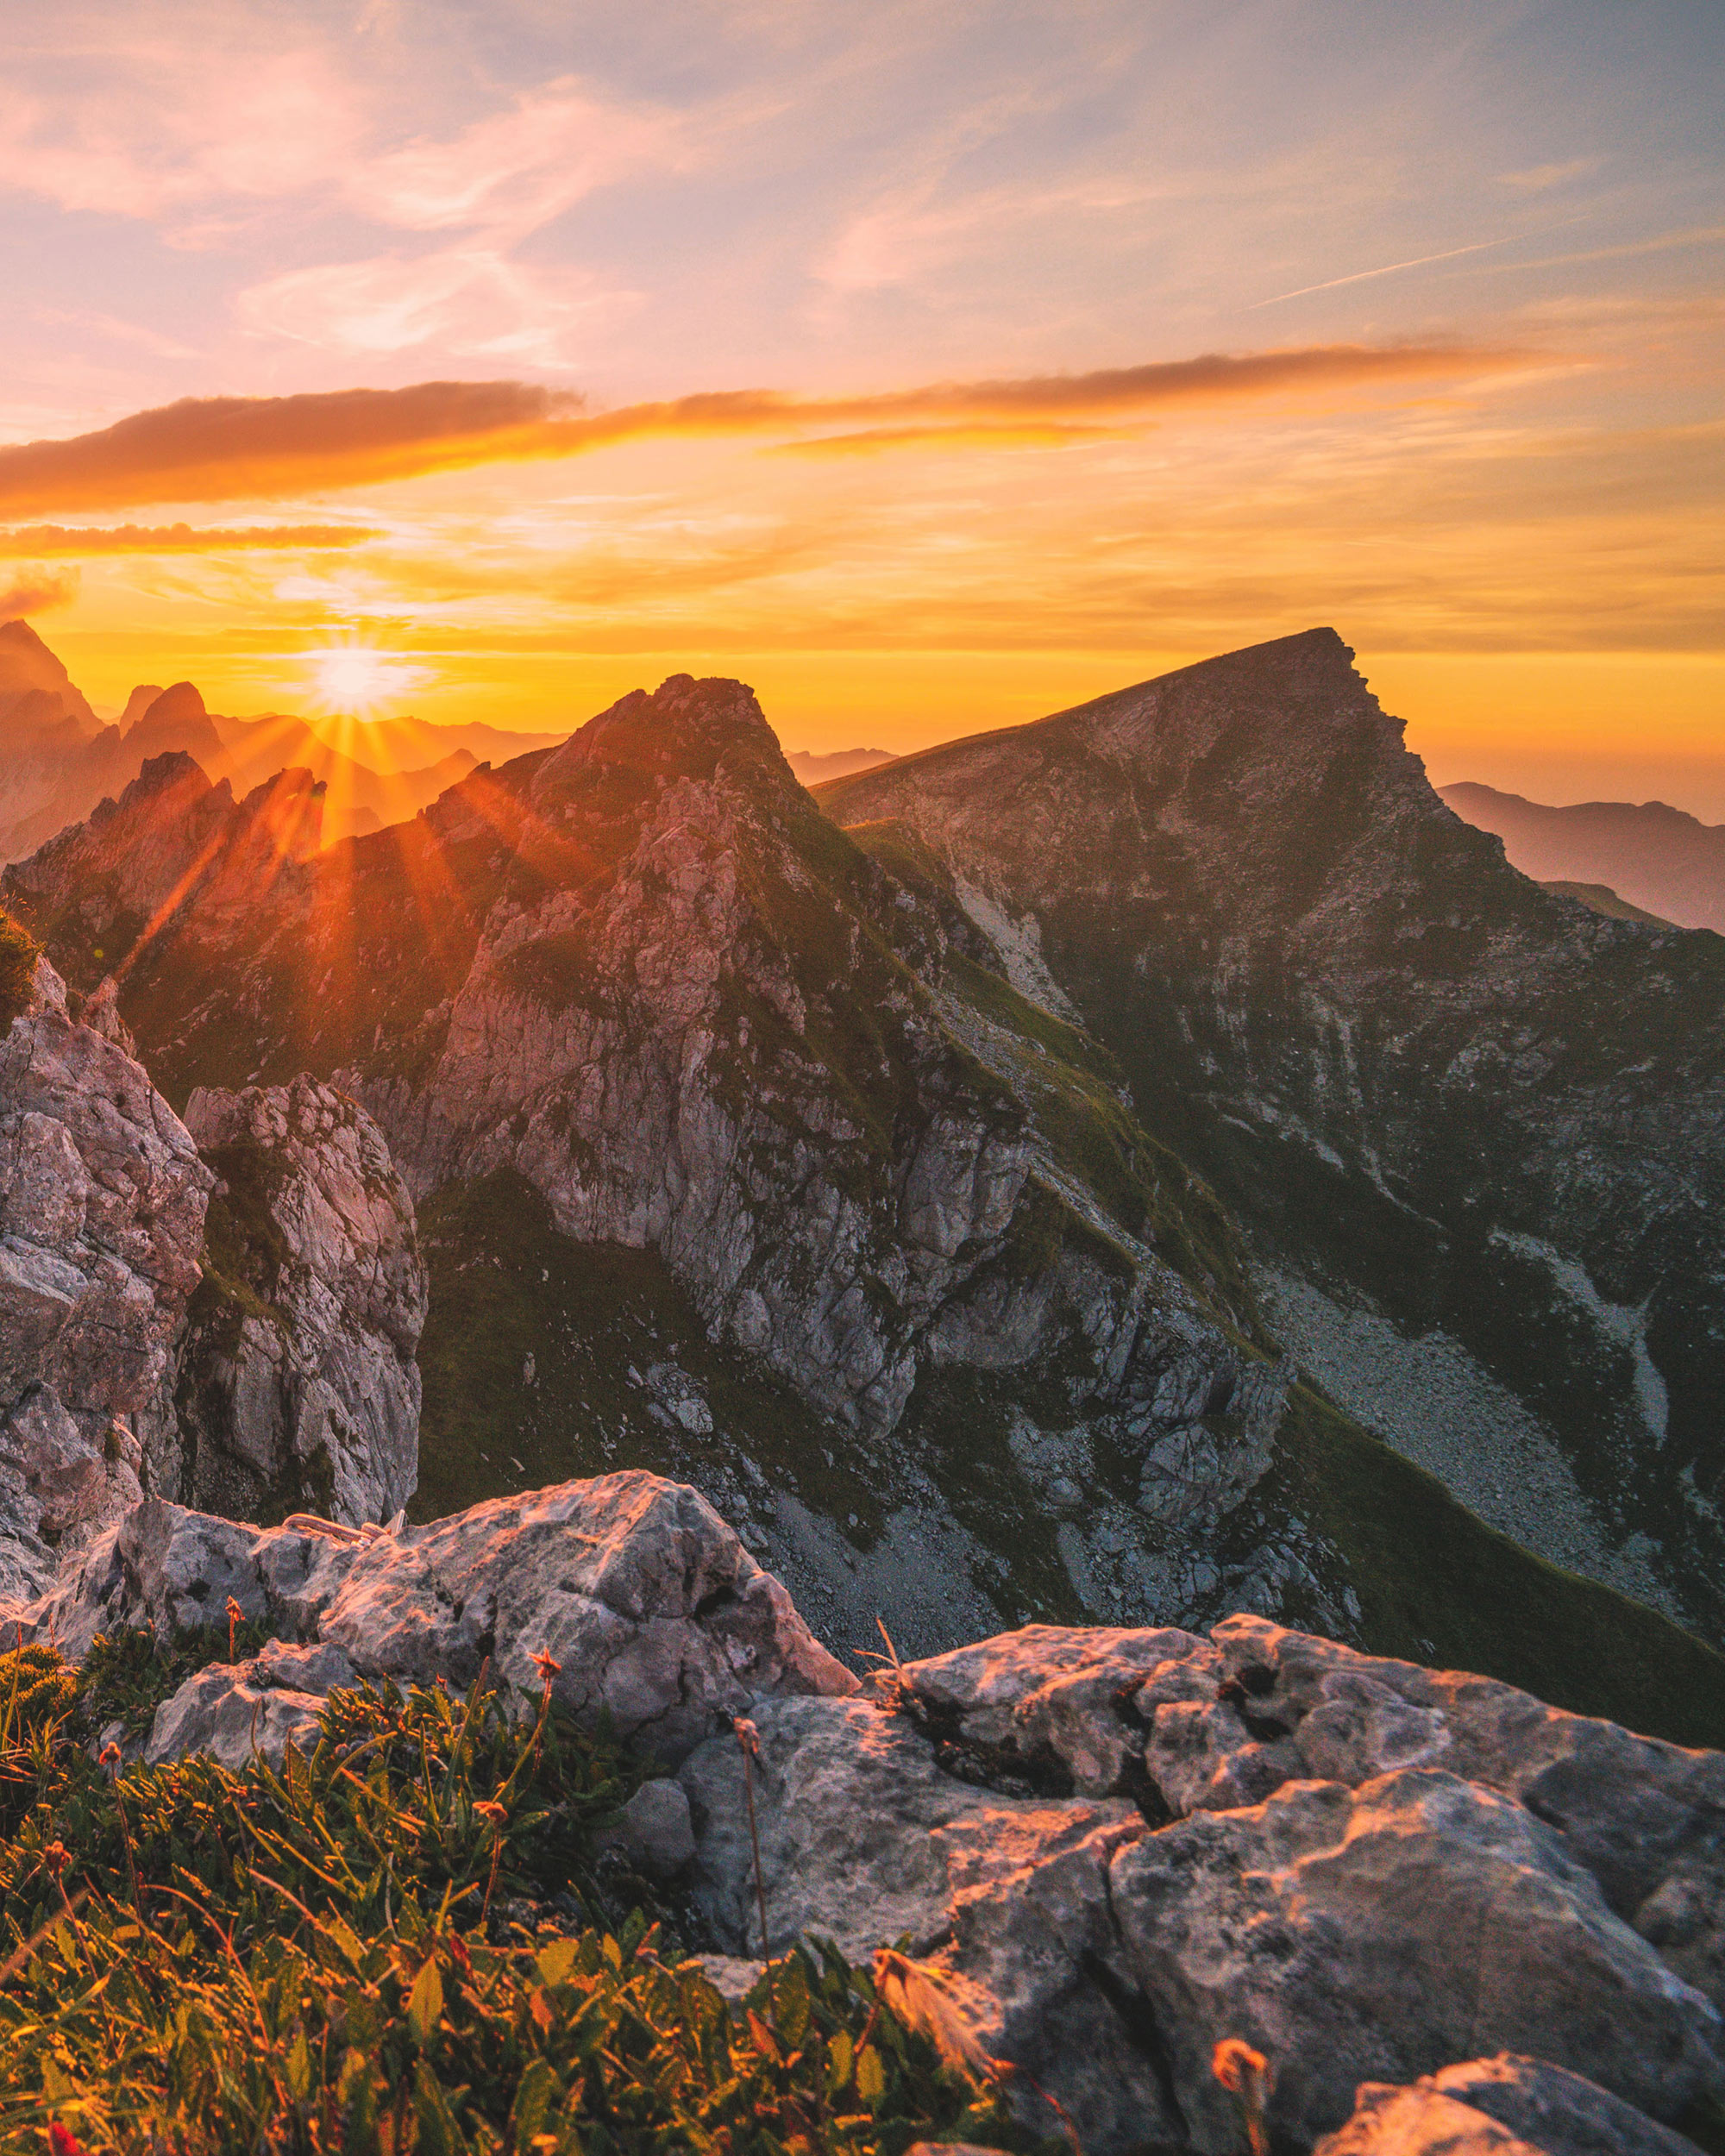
(1656, 858)
(58, 760)
(838, 763)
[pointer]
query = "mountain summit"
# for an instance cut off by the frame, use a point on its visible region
(1440, 1096)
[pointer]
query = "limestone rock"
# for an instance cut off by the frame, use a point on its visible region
(298, 1385)
(1383, 1932)
(1506, 2104)
(653, 1829)
(864, 1841)
(262, 1706)
(656, 1614)
(1060, 1697)
(102, 1207)
(1644, 1817)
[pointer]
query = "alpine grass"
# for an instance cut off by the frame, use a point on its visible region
(404, 1940)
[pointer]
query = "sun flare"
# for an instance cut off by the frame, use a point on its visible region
(356, 680)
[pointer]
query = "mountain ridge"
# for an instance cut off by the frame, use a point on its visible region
(1658, 858)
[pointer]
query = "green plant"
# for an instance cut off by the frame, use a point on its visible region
(309, 1960)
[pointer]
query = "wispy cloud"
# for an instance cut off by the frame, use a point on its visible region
(228, 449)
(469, 301)
(1538, 178)
(36, 594)
(39, 540)
(515, 171)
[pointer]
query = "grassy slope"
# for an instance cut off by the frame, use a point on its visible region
(407, 1940)
(1437, 1585)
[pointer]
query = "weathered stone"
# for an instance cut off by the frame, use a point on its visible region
(653, 1830)
(1646, 1818)
(1504, 2104)
(316, 1403)
(1058, 1696)
(102, 1204)
(653, 1612)
(1381, 1933)
(864, 1840)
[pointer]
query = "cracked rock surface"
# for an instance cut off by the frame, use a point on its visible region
(101, 1205)
(298, 1383)
(1113, 1848)
(656, 1615)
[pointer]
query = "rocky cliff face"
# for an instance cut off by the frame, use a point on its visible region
(297, 1387)
(1433, 1090)
(102, 1203)
(238, 1326)
(640, 974)
(1446, 1916)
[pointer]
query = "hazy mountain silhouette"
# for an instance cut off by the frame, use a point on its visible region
(1655, 856)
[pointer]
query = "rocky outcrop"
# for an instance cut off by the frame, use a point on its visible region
(101, 1205)
(1117, 1849)
(297, 1386)
(654, 1615)
(1499, 2107)
(1107, 1851)
(1443, 1094)
(170, 843)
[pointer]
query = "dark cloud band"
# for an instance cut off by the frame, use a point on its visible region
(234, 448)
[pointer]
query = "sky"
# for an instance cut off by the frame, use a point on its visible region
(928, 366)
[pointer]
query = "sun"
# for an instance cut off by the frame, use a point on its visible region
(356, 680)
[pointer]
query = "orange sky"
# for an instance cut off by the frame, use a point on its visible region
(928, 372)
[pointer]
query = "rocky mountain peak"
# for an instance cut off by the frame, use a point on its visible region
(35, 688)
(175, 719)
(138, 702)
(684, 729)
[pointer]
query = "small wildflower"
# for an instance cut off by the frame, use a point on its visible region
(748, 1736)
(547, 1664)
(235, 1613)
(109, 1757)
(1245, 2074)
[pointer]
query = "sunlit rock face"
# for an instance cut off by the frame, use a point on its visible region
(297, 1386)
(1439, 1092)
(642, 973)
(101, 1205)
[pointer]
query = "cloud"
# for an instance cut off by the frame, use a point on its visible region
(36, 594)
(1538, 178)
(230, 448)
(52, 539)
(469, 301)
(516, 170)
(171, 125)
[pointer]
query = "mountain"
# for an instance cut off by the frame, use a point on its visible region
(1653, 856)
(739, 1157)
(839, 763)
(1602, 898)
(37, 695)
(1473, 1129)
(58, 776)
(408, 743)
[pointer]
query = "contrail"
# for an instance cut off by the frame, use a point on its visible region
(1389, 269)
